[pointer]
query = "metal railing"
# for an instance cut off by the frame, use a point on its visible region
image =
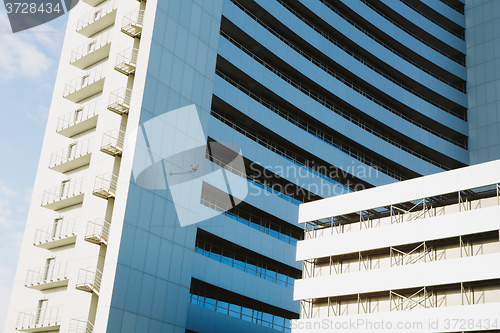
(254, 181)
(89, 279)
(80, 326)
(112, 142)
(90, 46)
(334, 41)
(97, 231)
(38, 317)
(57, 230)
(95, 14)
(47, 274)
(421, 209)
(65, 190)
(132, 23)
(126, 61)
(119, 100)
(436, 22)
(105, 184)
(369, 34)
(84, 80)
(322, 99)
(288, 154)
(71, 152)
(76, 116)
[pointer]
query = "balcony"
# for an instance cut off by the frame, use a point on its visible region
(93, 3)
(112, 142)
(68, 193)
(78, 121)
(39, 320)
(97, 232)
(97, 20)
(105, 186)
(91, 52)
(119, 101)
(59, 233)
(86, 85)
(74, 156)
(47, 277)
(80, 326)
(126, 61)
(132, 23)
(89, 280)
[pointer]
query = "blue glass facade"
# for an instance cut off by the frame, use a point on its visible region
(322, 97)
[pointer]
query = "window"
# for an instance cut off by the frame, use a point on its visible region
(91, 46)
(85, 80)
(78, 115)
(56, 227)
(71, 151)
(64, 188)
(49, 269)
(40, 311)
(97, 13)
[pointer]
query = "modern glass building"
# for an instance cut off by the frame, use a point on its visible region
(183, 134)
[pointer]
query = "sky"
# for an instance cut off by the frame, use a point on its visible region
(28, 67)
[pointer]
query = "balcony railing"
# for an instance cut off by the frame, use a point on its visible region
(112, 142)
(97, 231)
(68, 193)
(48, 276)
(89, 280)
(97, 19)
(126, 61)
(80, 326)
(78, 120)
(59, 233)
(132, 23)
(71, 157)
(39, 320)
(119, 101)
(105, 186)
(91, 51)
(91, 83)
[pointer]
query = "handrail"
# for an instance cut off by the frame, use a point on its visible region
(80, 326)
(84, 80)
(65, 190)
(46, 316)
(62, 229)
(331, 72)
(90, 46)
(46, 274)
(114, 138)
(76, 116)
(71, 152)
(274, 148)
(340, 45)
(106, 182)
(95, 14)
(98, 227)
(128, 56)
(90, 276)
(120, 96)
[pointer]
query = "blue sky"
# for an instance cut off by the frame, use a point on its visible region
(28, 69)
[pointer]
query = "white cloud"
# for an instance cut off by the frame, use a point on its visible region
(28, 59)
(27, 54)
(14, 205)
